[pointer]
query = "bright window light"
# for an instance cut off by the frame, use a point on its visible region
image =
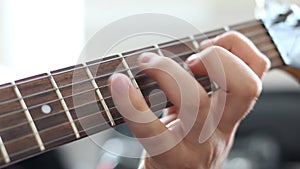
(40, 36)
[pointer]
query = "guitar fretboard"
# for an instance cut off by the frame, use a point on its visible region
(42, 112)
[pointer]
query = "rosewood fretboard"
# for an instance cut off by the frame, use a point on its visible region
(42, 112)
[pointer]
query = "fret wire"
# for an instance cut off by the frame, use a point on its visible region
(158, 50)
(61, 87)
(4, 151)
(129, 72)
(197, 47)
(48, 102)
(109, 97)
(64, 105)
(99, 94)
(66, 136)
(84, 130)
(57, 73)
(107, 85)
(178, 55)
(107, 74)
(195, 43)
(227, 28)
(29, 118)
(52, 141)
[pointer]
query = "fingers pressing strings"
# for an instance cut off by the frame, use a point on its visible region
(238, 83)
(244, 49)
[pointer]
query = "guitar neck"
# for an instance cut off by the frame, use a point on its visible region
(45, 111)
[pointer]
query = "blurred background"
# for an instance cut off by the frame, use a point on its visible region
(39, 36)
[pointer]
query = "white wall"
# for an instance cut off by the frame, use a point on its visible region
(203, 14)
(40, 36)
(1, 31)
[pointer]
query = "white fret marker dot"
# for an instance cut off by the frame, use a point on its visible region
(46, 109)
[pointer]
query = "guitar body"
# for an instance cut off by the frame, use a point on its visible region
(295, 73)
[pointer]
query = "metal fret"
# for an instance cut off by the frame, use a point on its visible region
(4, 152)
(158, 50)
(195, 43)
(130, 74)
(227, 28)
(64, 105)
(29, 118)
(103, 103)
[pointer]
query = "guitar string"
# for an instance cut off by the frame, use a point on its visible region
(35, 106)
(69, 96)
(53, 114)
(47, 116)
(71, 109)
(85, 130)
(51, 90)
(53, 141)
(66, 97)
(93, 63)
(107, 74)
(107, 99)
(80, 82)
(176, 42)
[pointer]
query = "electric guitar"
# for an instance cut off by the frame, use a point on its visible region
(42, 112)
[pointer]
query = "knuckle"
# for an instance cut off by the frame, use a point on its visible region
(264, 63)
(252, 88)
(233, 35)
(215, 49)
(164, 62)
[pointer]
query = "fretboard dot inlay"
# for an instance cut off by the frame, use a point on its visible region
(46, 109)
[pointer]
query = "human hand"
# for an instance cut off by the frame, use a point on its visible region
(177, 140)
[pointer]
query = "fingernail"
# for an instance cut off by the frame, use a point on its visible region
(146, 57)
(120, 83)
(206, 43)
(192, 59)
